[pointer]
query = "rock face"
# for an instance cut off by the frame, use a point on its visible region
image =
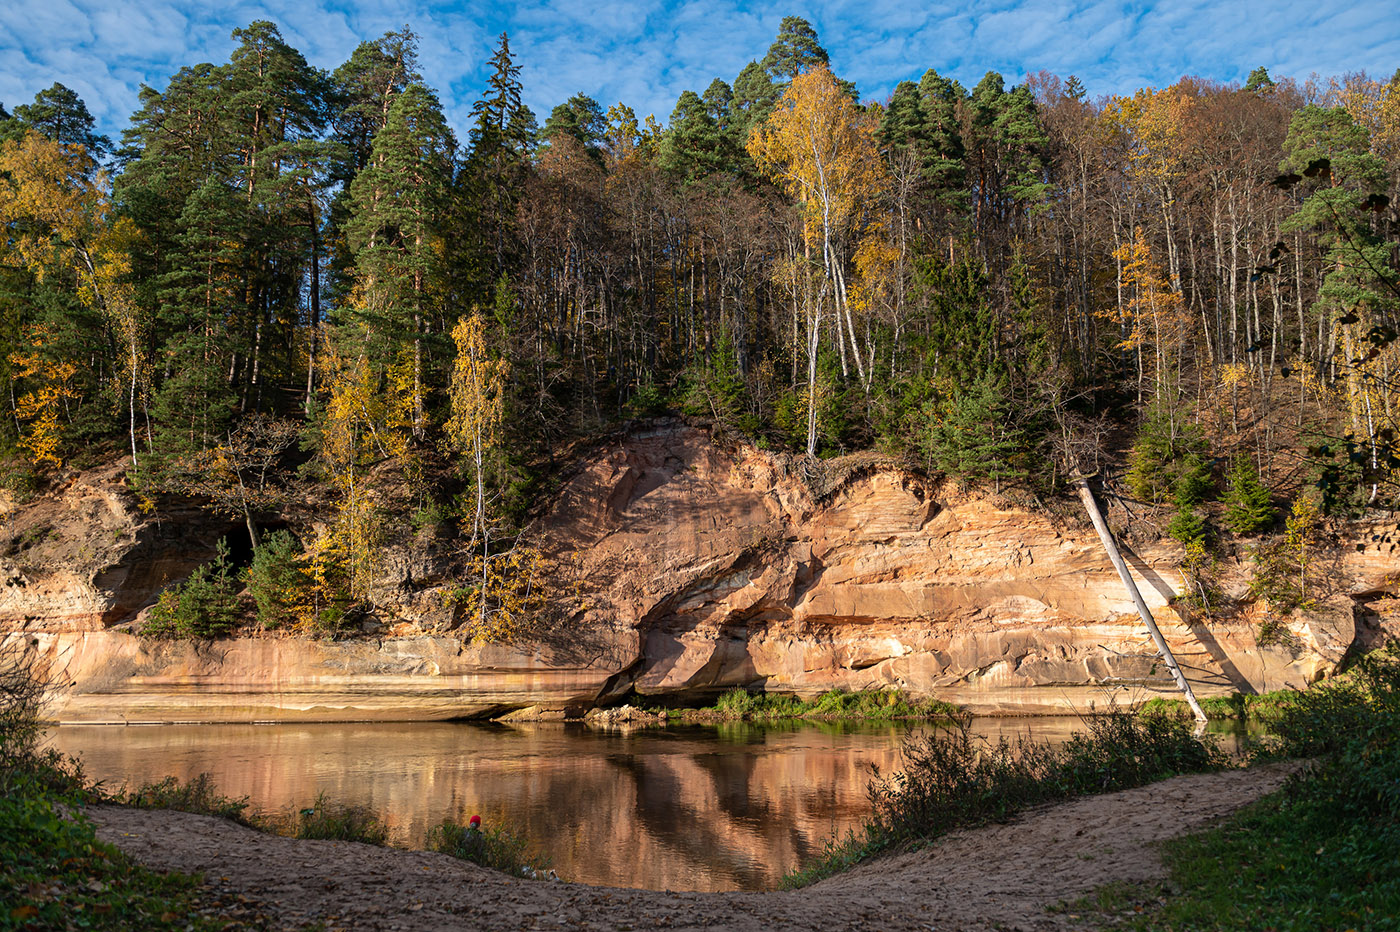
(701, 568)
(84, 558)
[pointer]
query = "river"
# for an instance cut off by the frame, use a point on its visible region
(733, 806)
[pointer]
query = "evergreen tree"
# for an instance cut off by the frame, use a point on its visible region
(362, 91)
(1190, 488)
(58, 113)
(1259, 80)
(364, 88)
(794, 51)
(902, 126)
(193, 402)
(1167, 455)
(753, 100)
(501, 139)
(944, 166)
(581, 118)
(695, 145)
(400, 203)
(1249, 507)
(977, 433)
(1004, 147)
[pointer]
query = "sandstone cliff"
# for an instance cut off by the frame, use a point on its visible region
(699, 568)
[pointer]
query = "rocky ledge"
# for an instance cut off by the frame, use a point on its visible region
(698, 567)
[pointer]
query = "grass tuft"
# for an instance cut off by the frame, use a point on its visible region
(327, 821)
(495, 847)
(1264, 708)
(198, 795)
(952, 779)
(873, 705)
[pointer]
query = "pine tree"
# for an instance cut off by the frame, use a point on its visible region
(364, 89)
(902, 126)
(977, 434)
(59, 114)
(794, 51)
(580, 117)
(501, 139)
(396, 230)
(753, 100)
(694, 146)
(944, 152)
(1249, 507)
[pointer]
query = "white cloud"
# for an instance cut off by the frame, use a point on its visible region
(645, 52)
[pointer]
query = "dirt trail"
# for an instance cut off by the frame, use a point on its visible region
(999, 877)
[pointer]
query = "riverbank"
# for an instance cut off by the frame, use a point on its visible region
(1001, 876)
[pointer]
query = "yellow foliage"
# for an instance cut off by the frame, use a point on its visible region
(1234, 373)
(354, 425)
(1154, 313)
(41, 408)
(506, 594)
(1376, 107)
(1300, 535)
(821, 149)
(1152, 124)
(60, 219)
(878, 262)
(478, 385)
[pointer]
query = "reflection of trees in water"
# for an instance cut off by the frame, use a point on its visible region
(678, 808)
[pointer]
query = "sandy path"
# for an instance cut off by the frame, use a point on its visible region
(999, 877)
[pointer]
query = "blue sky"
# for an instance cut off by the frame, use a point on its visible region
(645, 52)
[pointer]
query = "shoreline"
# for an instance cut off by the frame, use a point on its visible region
(970, 879)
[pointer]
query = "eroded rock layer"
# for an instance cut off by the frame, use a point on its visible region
(697, 568)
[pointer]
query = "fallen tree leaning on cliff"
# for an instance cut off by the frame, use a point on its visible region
(1111, 548)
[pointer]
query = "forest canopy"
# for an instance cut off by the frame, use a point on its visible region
(278, 266)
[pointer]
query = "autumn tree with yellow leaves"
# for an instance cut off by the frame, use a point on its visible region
(62, 223)
(821, 149)
(41, 409)
(507, 586)
(1153, 317)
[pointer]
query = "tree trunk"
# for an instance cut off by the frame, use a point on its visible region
(1111, 548)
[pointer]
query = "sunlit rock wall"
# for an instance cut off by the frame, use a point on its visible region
(693, 568)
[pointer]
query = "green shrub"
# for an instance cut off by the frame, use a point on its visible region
(1319, 854)
(978, 433)
(341, 823)
(953, 779)
(277, 579)
(1168, 452)
(55, 874)
(494, 847)
(20, 478)
(1360, 707)
(198, 795)
(203, 606)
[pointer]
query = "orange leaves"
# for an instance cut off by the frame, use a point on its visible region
(1153, 123)
(1154, 314)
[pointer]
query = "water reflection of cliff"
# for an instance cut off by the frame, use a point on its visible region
(732, 807)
